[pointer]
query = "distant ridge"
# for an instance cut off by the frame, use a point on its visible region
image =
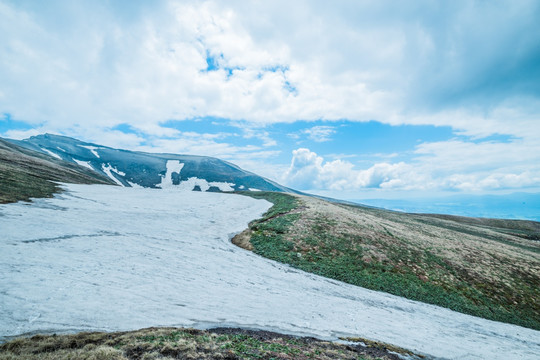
(134, 169)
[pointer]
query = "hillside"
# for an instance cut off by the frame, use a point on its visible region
(484, 267)
(135, 169)
(25, 173)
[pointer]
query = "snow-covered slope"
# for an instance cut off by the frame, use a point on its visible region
(114, 258)
(129, 168)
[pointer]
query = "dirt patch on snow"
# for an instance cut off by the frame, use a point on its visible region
(242, 240)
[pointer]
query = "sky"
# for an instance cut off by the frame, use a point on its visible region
(350, 99)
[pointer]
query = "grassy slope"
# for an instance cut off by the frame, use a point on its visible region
(172, 343)
(25, 174)
(485, 268)
(522, 228)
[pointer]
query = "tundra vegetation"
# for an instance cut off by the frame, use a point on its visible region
(25, 174)
(484, 267)
(179, 343)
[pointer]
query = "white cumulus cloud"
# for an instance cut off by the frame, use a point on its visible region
(310, 171)
(99, 67)
(436, 167)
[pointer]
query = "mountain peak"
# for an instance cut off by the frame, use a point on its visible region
(153, 170)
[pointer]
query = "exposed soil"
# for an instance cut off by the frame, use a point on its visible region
(242, 240)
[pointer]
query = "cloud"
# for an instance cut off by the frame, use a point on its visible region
(22, 134)
(320, 133)
(309, 171)
(250, 133)
(139, 64)
(437, 166)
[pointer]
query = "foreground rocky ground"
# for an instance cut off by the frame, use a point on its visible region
(179, 343)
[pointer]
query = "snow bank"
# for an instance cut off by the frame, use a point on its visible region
(173, 166)
(192, 182)
(135, 185)
(111, 258)
(92, 149)
(51, 153)
(86, 164)
(108, 169)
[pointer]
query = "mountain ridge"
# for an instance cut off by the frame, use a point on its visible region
(154, 170)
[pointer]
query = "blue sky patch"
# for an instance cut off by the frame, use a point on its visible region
(126, 129)
(207, 124)
(212, 62)
(357, 142)
(8, 123)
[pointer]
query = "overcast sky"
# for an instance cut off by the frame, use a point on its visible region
(340, 97)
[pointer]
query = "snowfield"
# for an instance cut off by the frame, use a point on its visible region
(109, 258)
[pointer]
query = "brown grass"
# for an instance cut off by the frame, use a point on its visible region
(483, 267)
(26, 174)
(178, 343)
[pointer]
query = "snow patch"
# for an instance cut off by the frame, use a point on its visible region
(108, 169)
(253, 189)
(92, 149)
(189, 184)
(223, 186)
(135, 185)
(173, 166)
(86, 164)
(192, 182)
(51, 153)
